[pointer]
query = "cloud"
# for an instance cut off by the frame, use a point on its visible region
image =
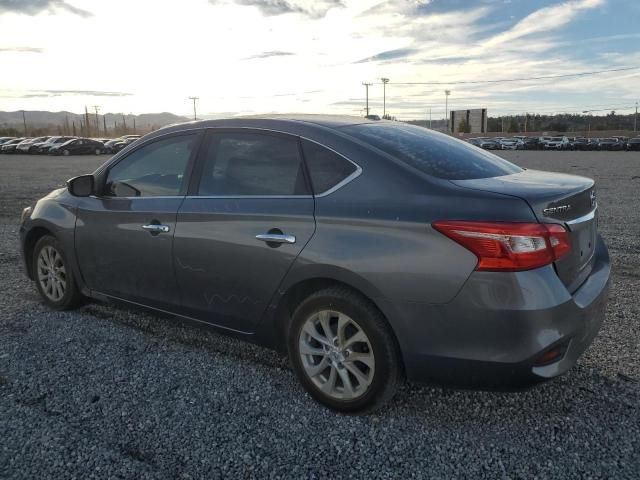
(389, 55)
(59, 93)
(314, 9)
(543, 20)
(22, 49)
(273, 53)
(34, 7)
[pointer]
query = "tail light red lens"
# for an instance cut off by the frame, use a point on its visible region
(509, 246)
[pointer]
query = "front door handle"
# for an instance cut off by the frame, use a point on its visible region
(156, 228)
(276, 238)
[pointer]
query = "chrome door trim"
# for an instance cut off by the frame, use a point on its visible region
(339, 185)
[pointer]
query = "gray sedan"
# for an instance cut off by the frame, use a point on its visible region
(369, 251)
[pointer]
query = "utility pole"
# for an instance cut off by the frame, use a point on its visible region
(104, 124)
(24, 122)
(384, 96)
(635, 120)
(194, 106)
(96, 108)
(86, 121)
(366, 86)
(446, 106)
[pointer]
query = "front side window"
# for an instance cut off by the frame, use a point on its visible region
(326, 168)
(432, 153)
(154, 170)
(252, 164)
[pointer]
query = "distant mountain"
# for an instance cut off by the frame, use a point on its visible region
(42, 119)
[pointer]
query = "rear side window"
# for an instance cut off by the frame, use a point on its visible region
(252, 164)
(327, 169)
(433, 153)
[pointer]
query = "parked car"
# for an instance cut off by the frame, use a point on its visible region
(557, 143)
(611, 144)
(77, 146)
(119, 145)
(43, 148)
(25, 145)
(512, 144)
(10, 146)
(485, 274)
(4, 140)
(580, 143)
(483, 142)
(633, 144)
(531, 143)
(543, 141)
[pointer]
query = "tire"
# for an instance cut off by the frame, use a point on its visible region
(378, 363)
(98, 151)
(70, 296)
(65, 153)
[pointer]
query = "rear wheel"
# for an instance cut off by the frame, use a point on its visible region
(98, 151)
(65, 153)
(53, 275)
(343, 352)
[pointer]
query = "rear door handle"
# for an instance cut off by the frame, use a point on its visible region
(276, 238)
(156, 228)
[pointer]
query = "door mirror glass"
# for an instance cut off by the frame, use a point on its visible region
(81, 186)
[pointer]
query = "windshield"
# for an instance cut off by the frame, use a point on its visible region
(430, 152)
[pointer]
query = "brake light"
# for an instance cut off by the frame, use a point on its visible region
(509, 246)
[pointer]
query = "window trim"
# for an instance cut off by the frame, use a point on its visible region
(194, 168)
(103, 174)
(197, 172)
(352, 176)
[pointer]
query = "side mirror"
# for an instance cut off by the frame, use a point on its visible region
(81, 186)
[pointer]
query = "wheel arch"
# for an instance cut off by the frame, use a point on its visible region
(274, 328)
(30, 240)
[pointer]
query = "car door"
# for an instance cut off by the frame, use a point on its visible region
(124, 234)
(75, 146)
(248, 215)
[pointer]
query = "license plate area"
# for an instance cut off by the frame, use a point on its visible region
(584, 242)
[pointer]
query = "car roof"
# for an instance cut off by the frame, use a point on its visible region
(327, 121)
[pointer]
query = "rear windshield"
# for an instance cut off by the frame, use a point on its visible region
(433, 153)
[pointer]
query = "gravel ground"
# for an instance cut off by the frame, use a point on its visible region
(108, 392)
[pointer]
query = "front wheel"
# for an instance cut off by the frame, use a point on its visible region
(98, 151)
(53, 275)
(343, 351)
(66, 153)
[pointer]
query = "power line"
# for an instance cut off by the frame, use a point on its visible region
(523, 79)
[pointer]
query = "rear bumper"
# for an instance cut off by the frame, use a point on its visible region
(491, 336)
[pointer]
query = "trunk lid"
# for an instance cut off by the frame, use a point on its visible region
(555, 198)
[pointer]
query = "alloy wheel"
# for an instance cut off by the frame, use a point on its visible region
(52, 274)
(336, 355)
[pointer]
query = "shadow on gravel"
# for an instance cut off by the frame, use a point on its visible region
(580, 388)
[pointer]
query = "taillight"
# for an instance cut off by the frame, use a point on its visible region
(508, 246)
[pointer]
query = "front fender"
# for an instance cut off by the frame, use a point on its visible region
(54, 215)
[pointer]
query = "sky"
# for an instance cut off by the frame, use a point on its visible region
(263, 56)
